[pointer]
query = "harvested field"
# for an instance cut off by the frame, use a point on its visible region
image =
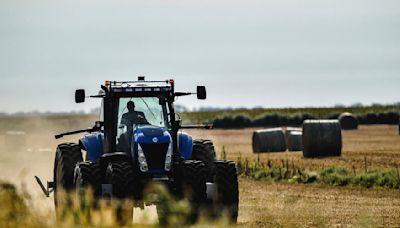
(375, 146)
(266, 204)
(262, 203)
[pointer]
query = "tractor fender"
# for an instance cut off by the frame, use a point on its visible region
(185, 145)
(93, 144)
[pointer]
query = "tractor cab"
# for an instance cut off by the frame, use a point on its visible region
(138, 118)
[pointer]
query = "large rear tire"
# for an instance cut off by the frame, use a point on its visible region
(226, 180)
(67, 156)
(120, 176)
(203, 150)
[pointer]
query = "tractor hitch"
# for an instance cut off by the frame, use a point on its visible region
(46, 190)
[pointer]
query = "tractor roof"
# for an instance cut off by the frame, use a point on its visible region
(140, 87)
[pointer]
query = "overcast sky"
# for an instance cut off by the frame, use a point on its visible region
(271, 53)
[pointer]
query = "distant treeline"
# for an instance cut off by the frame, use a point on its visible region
(235, 118)
(294, 115)
(278, 119)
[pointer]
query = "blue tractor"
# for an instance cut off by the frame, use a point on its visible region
(138, 141)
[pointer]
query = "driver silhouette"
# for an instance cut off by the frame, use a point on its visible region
(129, 119)
(133, 117)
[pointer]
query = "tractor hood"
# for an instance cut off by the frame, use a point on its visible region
(151, 131)
(151, 134)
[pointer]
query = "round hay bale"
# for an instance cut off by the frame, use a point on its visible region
(295, 141)
(15, 140)
(288, 130)
(270, 140)
(322, 138)
(348, 121)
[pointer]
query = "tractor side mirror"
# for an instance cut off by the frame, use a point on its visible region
(80, 96)
(201, 92)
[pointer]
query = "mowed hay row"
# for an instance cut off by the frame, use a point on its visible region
(348, 121)
(269, 140)
(322, 138)
(295, 141)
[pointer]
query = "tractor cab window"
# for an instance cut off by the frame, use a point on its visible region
(139, 111)
(142, 111)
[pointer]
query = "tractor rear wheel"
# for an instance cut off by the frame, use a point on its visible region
(203, 150)
(67, 156)
(120, 176)
(226, 180)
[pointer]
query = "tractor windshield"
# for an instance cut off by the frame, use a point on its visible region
(136, 111)
(142, 111)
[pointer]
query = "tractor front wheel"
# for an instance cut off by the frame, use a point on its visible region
(87, 180)
(120, 176)
(195, 177)
(227, 201)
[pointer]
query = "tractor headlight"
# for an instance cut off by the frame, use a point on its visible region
(168, 158)
(167, 167)
(142, 160)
